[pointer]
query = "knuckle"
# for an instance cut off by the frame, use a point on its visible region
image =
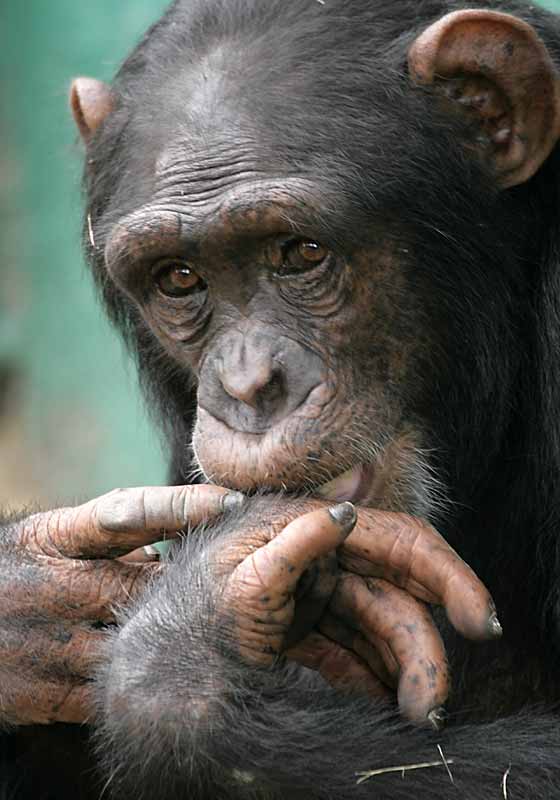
(42, 532)
(184, 501)
(254, 577)
(407, 540)
(120, 510)
(196, 502)
(27, 532)
(405, 529)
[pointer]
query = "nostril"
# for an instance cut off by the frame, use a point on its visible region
(275, 386)
(269, 398)
(253, 385)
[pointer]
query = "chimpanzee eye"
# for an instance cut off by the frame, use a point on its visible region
(176, 279)
(301, 255)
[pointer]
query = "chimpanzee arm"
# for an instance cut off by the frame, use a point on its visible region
(60, 580)
(194, 705)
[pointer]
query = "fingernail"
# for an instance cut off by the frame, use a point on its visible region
(494, 625)
(233, 500)
(152, 552)
(437, 718)
(344, 514)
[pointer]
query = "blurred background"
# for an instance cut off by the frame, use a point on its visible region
(72, 424)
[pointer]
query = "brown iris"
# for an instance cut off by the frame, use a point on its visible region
(177, 279)
(302, 255)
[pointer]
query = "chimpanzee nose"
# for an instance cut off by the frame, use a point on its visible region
(251, 380)
(256, 378)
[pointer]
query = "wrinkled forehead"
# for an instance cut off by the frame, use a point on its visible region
(204, 191)
(221, 150)
(218, 107)
(195, 140)
(210, 127)
(207, 162)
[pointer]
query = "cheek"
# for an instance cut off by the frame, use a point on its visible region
(386, 335)
(182, 347)
(175, 331)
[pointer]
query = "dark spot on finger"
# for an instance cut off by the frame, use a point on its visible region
(411, 628)
(431, 672)
(375, 588)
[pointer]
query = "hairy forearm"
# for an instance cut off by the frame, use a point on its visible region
(188, 693)
(171, 684)
(185, 713)
(188, 708)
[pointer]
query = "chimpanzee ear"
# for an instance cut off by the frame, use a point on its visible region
(497, 70)
(91, 102)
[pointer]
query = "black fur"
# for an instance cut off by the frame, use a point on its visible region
(326, 85)
(194, 721)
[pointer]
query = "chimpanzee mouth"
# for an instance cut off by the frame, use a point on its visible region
(354, 486)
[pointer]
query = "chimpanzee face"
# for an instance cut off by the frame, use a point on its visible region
(329, 271)
(303, 349)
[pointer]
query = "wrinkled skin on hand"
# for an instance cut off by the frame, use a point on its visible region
(365, 625)
(61, 580)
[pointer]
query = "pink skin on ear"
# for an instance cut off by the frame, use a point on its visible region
(498, 69)
(91, 102)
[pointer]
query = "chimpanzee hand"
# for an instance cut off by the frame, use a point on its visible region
(263, 607)
(371, 632)
(373, 617)
(60, 583)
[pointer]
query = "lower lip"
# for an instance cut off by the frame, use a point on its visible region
(353, 486)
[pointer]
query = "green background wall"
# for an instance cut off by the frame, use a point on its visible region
(71, 420)
(74, 424)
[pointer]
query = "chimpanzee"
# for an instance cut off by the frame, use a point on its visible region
(329, 231)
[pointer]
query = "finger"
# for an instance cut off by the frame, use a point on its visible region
(143, 555)
(77, 705)
(96, 590)
(337, 631)
(312, 595)
(83, 652)
(126, 519)
(404, 633)
(276, 568)
(341, 668)
(411, 554)
(121, 585)
(50, 701)
(65, 651)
